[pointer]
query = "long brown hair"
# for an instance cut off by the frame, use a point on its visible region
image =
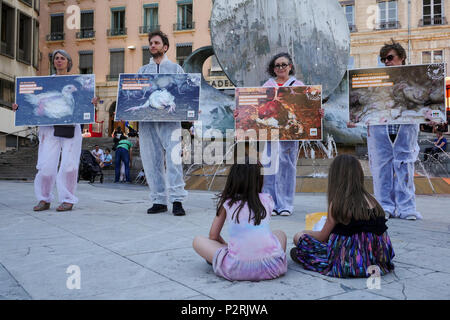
(346, 192)
(244, 183)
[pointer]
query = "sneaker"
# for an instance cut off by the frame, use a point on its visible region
(388, 215)
(285, 213)
(411, 217)
(157, 208)
(274, 212)
(178, 209)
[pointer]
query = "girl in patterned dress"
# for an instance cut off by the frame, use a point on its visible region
(253, 251)
(354, 241)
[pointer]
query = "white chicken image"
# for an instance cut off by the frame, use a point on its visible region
(159, 99)
(53, 104)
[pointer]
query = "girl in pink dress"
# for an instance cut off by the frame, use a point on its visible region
(253, 251)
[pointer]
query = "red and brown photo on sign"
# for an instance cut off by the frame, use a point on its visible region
(293, 111)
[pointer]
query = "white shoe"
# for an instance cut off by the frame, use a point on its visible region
(411, 218)
(285, 213)
(387, 215)
(274, 213)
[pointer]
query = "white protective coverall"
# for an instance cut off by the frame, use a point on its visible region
(156, 145)
(50, 148)
(392, 167)
(281, 184)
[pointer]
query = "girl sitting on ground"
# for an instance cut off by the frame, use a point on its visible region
(354, 236)
(253, 252)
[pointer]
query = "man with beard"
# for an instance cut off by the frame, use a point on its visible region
(156, 144)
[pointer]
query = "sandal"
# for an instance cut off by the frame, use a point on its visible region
(65, 206)
(41, 206)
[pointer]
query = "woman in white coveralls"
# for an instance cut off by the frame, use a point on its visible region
(393, 149)
(50, 148)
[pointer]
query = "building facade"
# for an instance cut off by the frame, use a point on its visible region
(19, 56)
(421, 26)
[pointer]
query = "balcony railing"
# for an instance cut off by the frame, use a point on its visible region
(6, 49)
(85, 34)
(55, 36)
(148, 29)
(388, 25)
(431, 21)
(112, 77)
(184, 26)
(352, 28)
(116, 32)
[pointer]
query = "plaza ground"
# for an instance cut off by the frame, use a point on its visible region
(124, 253)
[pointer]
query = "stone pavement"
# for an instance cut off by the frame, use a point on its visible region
(123, 253)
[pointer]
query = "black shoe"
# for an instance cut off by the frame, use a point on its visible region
(157, 208)
(178, 209)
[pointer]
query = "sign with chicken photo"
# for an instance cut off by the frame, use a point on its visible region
(397, 95)
(55, 100)
(158, 97)
(284, 113)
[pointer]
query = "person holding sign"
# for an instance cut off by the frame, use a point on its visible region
(156, 144)
(281, 184)
(56, 141)
(393, 149)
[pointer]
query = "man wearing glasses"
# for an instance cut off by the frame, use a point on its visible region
(393, 149)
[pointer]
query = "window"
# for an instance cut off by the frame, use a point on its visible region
(51, 67)
(432, 12)
(387, 11)
(36, 44)
(350, 14)
(7, 30)
(116, 63)
(86, 25)
(435, 56)
(379, 63)
(24, 38)
(150, 18)
(351, 62)
(56, 27)
(28, 2)
(183, 51)
(6, 93)
(117, 22)
(184, 15)
(86, 59)
(145, 55)
(37, 5)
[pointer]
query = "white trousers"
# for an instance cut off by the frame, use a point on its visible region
(50, 148)
(158, 152)
(392, 167)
